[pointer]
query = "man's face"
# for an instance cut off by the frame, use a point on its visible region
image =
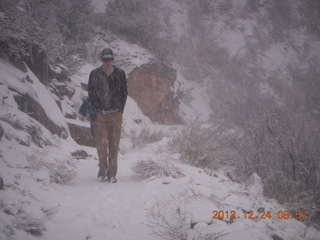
(107, 59)
(107, 64)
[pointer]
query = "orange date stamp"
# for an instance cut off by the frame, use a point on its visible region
(281, 214)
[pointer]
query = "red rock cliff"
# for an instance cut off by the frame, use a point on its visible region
(150, 86)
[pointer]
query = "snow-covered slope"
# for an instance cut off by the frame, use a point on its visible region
(27, 83)
(32, 158)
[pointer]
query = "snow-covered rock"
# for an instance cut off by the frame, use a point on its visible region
(24, 91)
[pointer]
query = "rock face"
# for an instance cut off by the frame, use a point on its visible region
(37, 61)
(81, 135)
(1, 183)
(150, 86)
(80, 154)
(1, 132)
(35, 110)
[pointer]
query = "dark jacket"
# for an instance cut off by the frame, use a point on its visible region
(107, 93)
(86, 109)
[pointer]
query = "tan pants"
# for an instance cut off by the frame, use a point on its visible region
(108, 131)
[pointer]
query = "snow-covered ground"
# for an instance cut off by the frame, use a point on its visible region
(86, 208)
(91, 209)
(50, 194)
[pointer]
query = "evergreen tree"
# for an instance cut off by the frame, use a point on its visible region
(59, 27)
(137, 21)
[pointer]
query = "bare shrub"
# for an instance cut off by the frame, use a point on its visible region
(62, 172)
(150, 168)
(22, 220)
(29, 224)
(208, 236)
(171, 222)
(138, 22)
(168, 222)
(306, 202)
(284, 153)
(144, 137)
(195, 144)
(7, 231)
(36, 161)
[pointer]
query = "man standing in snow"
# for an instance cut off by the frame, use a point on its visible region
(107, 89)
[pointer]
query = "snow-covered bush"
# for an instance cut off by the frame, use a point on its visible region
(138, 22)
(51, 25)
(144, 137)
(284, 152)
(195, 144)
(168, 221)
(171, 221)
(150, 168)
(62, 172)
(21, 220)
(25, 130)
(7, 232)
(29, 223)
(306, 201)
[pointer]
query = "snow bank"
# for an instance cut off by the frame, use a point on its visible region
(28, 83)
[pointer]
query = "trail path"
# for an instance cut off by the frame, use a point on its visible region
(94, 209)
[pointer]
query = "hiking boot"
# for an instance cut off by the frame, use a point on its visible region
(102, 173)
(112, 180)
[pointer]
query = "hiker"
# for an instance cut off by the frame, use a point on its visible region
(107, 89)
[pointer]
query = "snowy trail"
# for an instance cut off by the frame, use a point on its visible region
(97, 210)
(92, 209)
